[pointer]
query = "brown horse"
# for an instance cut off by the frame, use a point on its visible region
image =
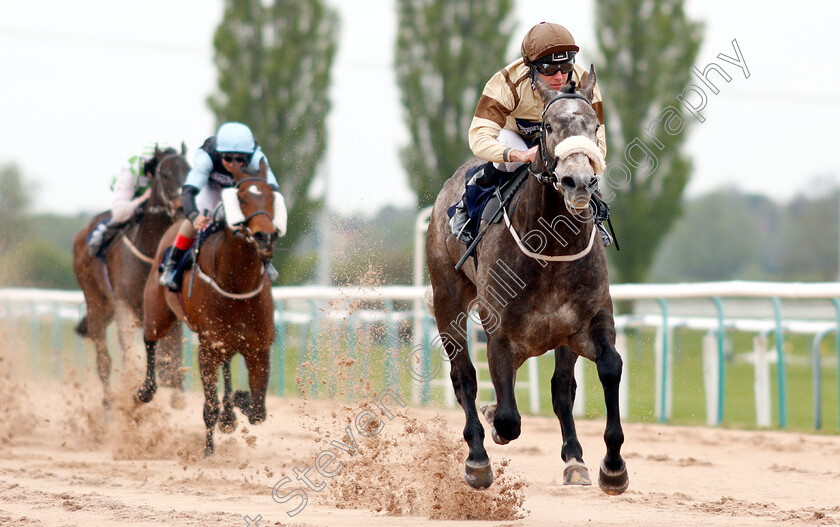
(227, 303)
(539, 283)
(116, 285)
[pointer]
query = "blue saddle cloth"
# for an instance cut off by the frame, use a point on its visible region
(478, 196)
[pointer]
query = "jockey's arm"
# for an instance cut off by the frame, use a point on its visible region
(188, 194)
(124, 203)
(269, 175)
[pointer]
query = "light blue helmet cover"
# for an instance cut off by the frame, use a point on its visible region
(235, 137)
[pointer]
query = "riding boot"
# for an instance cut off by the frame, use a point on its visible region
(167, 277)
(601, 213)
(459, 223)
(94, 246)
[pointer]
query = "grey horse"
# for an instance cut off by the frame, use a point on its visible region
(537, 283)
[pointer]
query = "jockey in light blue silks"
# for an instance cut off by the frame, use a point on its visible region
(211, 173)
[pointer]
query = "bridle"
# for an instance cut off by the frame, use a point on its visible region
(548, 175)
(242, 229)
(168, 207)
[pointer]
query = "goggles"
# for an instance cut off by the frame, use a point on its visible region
(242, 159)
(551, 68)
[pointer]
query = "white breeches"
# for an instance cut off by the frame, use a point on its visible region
(515, 141)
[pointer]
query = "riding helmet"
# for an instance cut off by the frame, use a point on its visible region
(235, 137)
(548, 39)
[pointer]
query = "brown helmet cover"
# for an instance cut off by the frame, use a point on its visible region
(545, 38)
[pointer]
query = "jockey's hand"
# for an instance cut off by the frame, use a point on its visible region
(145, 195)
(200, 222)
(523, 156)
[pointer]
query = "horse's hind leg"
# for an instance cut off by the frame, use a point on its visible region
(227, 420)
(96, 332)
(478, 472)
(169, 366)
(613, 477)
(563, 387)
(208, 366)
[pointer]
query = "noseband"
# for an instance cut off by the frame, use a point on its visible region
(548, 176)
(244, 231)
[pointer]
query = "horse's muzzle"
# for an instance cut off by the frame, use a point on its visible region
(265, 242)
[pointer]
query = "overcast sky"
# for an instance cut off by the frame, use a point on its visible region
(86, 83)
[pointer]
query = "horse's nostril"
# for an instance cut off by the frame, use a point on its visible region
(568, 183)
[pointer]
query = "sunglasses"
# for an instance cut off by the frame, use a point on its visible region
(234, 158)
(551, 68)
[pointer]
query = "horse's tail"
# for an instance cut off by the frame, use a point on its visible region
(82, 327)
(428, 301)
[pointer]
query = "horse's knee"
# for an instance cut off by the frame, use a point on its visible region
(609, 366)
(508, 424)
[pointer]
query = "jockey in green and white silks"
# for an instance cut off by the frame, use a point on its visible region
(130, 188)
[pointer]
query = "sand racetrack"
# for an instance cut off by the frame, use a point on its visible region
(65, 462)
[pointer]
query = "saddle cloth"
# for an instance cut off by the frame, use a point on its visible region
(481, 200)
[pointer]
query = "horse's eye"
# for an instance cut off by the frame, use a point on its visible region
(548, 127)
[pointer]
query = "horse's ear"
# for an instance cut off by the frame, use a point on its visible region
(183, 149)
(237, 172)
(587, 87)
(543, 89)
(263, 168)
(157, 151)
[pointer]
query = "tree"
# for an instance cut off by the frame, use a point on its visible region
(648, 48)
(446, 51)
(274, 64)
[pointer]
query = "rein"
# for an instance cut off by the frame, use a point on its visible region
(548, 176)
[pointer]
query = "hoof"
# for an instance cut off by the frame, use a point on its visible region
(613, 482)
(478, 475)
(177, 400)
(227, 422)
(576, 473)
(145, 393)
(489, 411)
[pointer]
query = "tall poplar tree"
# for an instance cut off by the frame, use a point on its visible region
(274, 62)
(446, 51)
(648, 49)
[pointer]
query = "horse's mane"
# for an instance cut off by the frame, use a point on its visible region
(569, 87)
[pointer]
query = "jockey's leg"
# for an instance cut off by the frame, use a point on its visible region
(461, 219)
(183, 242)
(104, 234)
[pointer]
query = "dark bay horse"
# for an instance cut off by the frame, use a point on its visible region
(539, 283)
(116, 286)
(230, 306)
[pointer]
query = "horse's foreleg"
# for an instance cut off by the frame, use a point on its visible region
(227, 421)
(147, 391)
(613, 477)
(478, 472)
(209, 369)
(563, 387)
(253, 404)
(504, 415)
